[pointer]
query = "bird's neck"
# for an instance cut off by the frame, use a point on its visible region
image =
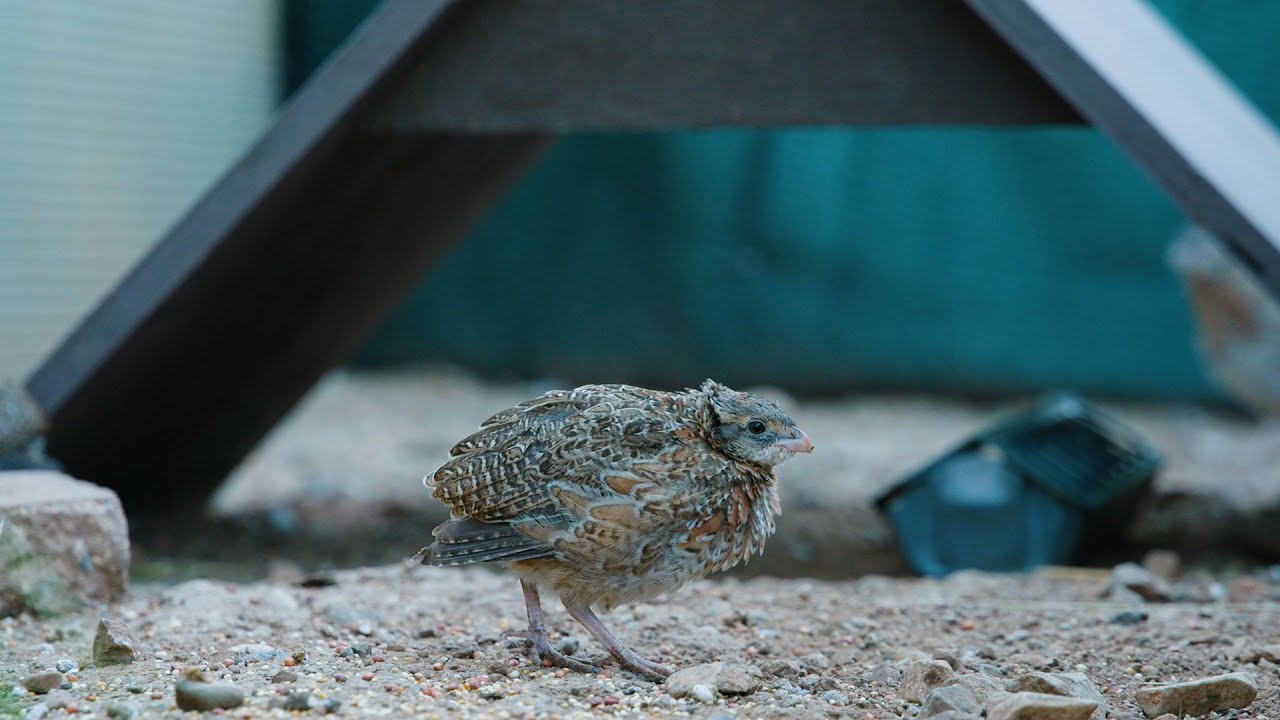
(749, 505)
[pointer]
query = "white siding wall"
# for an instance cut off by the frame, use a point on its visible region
(114, 117)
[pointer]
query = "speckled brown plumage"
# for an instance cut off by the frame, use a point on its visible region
(610, 494)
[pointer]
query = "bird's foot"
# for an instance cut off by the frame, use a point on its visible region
(546, 655)
(644, 668)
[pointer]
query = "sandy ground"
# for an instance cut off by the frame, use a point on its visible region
(433, 643)
(371, 436)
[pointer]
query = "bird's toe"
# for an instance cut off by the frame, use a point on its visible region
(645, 668)
(555, 658)
(546, 655)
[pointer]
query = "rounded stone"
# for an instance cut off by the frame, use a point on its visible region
(206, 696)
(42, 682)
(703, 694)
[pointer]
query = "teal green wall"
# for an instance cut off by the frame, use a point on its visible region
(830, 259)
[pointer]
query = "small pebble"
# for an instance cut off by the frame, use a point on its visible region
(1129, 617)
(703, 694)
(67, 665)
(835, 697)
(1133, 579)
(120, 711)
(195, 694)
(113, 644)
(285, 676)
(318, 581)
(299, 700)
(790, 700)
(255, 652)
(42, 682)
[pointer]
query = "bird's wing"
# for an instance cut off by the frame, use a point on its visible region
(551, 460)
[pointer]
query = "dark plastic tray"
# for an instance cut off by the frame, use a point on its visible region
(1025, 492)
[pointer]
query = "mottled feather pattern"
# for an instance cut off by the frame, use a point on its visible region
(611, 493)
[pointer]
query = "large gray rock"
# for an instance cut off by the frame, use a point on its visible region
(921, 677)
(950, 698)
(1069, 684)
(1198, 697)
(723, 678)
(63, 543)
(1039, 706)
(983, 687)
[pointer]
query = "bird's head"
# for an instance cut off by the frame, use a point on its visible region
(750, 428)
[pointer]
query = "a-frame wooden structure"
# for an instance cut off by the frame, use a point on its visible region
(403, 139)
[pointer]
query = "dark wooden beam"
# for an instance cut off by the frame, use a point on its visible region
(277, 274)
(1131, 75)
(571, 65)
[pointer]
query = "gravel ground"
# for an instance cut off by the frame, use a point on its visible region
(338, 484)
(403, 641)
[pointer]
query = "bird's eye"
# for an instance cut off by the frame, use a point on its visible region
(756, 427)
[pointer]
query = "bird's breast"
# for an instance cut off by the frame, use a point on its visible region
(730, 531)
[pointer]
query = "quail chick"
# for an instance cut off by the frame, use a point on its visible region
(612, 494)
(1237, 321)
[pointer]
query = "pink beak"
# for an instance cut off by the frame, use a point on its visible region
(800, 443)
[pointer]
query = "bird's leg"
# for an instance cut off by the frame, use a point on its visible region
(537, 635)
(626, 657)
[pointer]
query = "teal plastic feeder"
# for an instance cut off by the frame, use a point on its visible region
(1023, 493)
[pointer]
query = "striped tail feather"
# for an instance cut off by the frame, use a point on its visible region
(464, 541)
